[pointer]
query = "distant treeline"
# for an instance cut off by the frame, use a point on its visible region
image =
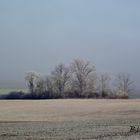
(77, 80)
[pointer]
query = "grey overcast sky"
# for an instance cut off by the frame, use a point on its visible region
(38, 34)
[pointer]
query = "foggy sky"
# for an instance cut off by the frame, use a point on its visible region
(38, 34)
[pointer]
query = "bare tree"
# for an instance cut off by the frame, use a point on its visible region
(40, 86)
(83, 74)
(49, 87)
(124, 84)
(31, 78)
(36, 84)
(60, 77)
(104, 84)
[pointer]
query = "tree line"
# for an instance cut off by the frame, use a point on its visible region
(79, 79)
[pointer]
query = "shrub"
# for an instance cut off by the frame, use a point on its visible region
(15, 95)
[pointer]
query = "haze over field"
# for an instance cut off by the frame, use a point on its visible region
(37, 35)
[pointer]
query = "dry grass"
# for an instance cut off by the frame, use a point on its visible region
(70, 109)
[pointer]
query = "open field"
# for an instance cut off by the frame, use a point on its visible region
(69, 119)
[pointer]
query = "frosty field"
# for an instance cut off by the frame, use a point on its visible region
(69, 119)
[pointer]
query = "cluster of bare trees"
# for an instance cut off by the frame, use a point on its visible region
(78, 80)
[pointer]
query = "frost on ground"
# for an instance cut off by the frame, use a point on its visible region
(69, 119)
(73, 130)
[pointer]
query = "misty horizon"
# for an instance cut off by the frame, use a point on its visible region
(38, 35)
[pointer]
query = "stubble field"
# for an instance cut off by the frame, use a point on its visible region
(69, 119)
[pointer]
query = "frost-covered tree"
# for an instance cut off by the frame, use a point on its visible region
(83, 77)
(124, 84)
(59, 79)
(31, 78)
